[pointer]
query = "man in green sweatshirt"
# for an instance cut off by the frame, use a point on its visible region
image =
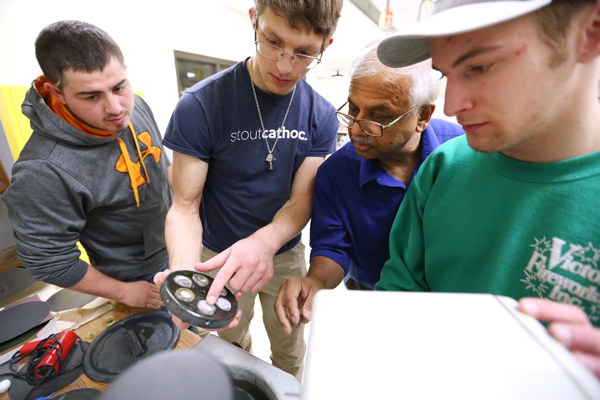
(510, 209)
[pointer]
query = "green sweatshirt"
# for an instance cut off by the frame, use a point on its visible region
(485, 223)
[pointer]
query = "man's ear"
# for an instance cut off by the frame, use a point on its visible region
(425, 116)
(52, 88)
(327, 43)
(589, 45)
(251, 14)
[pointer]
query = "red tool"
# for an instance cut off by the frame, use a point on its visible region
(63, 342)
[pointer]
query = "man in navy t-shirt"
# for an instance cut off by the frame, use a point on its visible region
(247, 143)
(359, 188)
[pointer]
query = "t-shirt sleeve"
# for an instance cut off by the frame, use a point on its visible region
(47, 228)
(328, 235)
(325, 127)
(405, 270)
(188, 132)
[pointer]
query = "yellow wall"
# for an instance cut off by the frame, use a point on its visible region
(15, 123)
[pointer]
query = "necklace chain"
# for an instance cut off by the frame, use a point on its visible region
(270, 158)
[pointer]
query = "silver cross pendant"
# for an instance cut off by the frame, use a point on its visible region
(270, 160)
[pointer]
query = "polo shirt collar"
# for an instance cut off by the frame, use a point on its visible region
(429, 142)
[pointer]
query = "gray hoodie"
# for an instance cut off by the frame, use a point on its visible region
(65, 189)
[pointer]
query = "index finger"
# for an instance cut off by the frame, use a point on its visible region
(551, 311)
(219, 282)
(286, 306)
(214, 263)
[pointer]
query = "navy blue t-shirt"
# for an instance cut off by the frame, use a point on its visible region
(217, 121)
(355, 203)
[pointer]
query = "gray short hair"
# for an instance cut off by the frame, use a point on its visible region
(425, 87)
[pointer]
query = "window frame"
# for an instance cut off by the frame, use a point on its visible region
(219, 63)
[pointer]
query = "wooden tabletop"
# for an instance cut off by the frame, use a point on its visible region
(92, 329)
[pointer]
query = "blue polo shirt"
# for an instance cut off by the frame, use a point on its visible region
(355, 202)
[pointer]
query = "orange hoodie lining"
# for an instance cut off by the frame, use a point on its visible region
(62, 111)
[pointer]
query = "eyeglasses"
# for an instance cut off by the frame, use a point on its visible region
(369, 127)
(277, 53)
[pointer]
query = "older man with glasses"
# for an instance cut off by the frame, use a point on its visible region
(359, 188)
(247, 143)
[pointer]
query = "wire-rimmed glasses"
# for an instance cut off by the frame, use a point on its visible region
(277, 53)
(371, 128)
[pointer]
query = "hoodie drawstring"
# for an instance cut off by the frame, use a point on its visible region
(129, 164)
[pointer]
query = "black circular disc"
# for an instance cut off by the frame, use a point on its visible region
(127, 341)
(188, 311)
(21, 318)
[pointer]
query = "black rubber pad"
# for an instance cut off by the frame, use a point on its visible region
(128, 341)
(21, 318)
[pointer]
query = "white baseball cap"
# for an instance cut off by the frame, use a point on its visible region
(450, 17)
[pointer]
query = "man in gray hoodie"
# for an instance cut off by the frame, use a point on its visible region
(93, 171)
